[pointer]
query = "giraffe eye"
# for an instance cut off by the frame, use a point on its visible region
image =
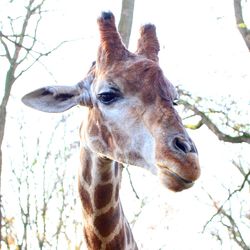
(108, 97)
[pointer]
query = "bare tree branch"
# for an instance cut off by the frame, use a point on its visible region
(241, 25)
(231, 225)
(220, 208)
(40, 55)
(131, 183)
(241, 169)
(195, 126)
(7, 52)
(204, 119)
(221, 136)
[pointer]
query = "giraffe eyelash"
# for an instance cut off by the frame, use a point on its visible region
(108, 97)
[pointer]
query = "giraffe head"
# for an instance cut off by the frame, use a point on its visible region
(131, 114)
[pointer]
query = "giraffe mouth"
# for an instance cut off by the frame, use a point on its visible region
(177, 177)
(180, 179)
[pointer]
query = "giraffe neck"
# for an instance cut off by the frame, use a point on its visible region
(105, 226)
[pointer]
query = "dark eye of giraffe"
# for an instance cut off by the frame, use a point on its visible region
(109, 97)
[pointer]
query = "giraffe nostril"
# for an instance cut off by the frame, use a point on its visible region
(183, 145)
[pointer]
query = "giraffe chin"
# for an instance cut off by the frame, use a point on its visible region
(173, 181)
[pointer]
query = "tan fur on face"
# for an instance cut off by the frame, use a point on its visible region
(135, 130)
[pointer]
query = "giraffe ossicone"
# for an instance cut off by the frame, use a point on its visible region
(131, 120)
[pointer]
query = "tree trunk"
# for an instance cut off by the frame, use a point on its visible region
(126, 20)
(10, 79)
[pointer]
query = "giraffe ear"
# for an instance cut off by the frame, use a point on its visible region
(56, 99)
(148, 44)
(111, 48)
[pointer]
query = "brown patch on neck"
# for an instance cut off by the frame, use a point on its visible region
(85, 199)
(86, 164)
(118, 241)
(106, 176)
(92, 240)
(94, 130)
(117, 189)
(107, 222)
(107, 138)
(103, 195)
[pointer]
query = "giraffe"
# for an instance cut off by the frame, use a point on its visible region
(131, 120)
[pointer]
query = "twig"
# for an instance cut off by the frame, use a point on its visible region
(131, 184)
(219, 209)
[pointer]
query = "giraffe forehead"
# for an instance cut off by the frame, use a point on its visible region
(138, 76)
